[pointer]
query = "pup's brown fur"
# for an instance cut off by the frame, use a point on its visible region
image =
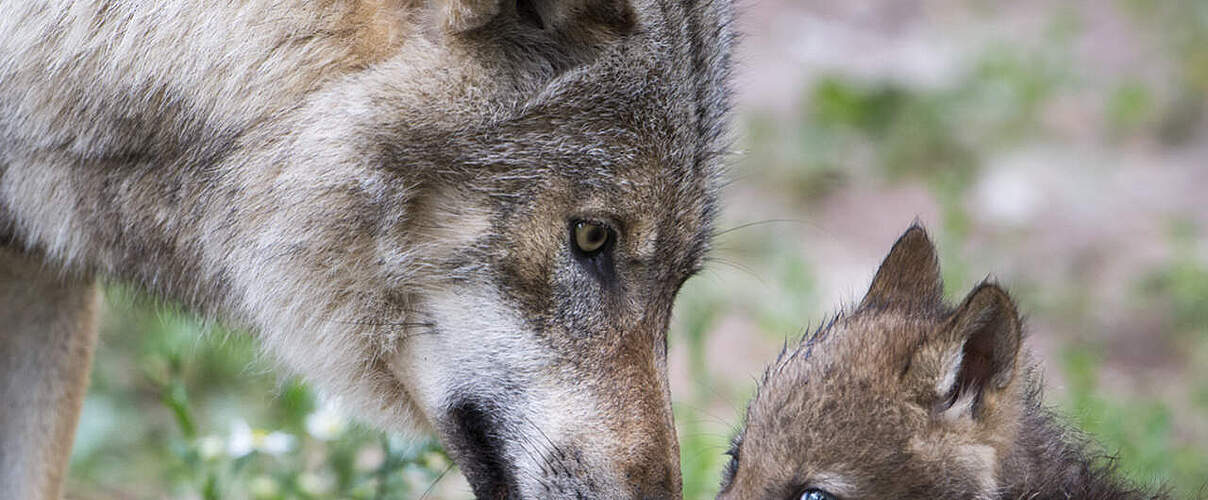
(906, 397)
(384, 191)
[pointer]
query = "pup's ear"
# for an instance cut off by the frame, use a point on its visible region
(910, 275)
(566, 16)
(983, 338)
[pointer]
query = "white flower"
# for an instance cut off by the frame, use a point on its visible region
(325, 423)
(240, 442)
(276, 443)
(245, 440)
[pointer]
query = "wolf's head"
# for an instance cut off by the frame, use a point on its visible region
(531, 183)
(902, 398)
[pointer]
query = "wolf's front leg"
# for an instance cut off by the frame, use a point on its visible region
(47, 334)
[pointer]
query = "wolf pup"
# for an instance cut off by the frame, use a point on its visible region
(906, 397)
(463, 216)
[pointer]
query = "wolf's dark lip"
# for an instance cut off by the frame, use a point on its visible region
(474, 440)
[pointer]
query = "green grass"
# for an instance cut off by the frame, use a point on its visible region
(193, 412)
(1138, 432)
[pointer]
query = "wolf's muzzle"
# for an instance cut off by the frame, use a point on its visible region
(487, 439)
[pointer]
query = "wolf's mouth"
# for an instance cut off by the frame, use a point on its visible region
(474, 440)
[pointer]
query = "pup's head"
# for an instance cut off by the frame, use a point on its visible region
(903, 398)
(535, 184)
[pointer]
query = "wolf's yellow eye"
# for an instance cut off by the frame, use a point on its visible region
(590, 237)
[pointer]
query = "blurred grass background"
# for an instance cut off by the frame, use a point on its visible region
(1057, 146)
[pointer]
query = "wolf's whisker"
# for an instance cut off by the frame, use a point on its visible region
(757, 223)
(432, 486)
(739, 267)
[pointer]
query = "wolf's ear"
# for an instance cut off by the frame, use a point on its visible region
(909, 276)
(984, 336)
(567, 16)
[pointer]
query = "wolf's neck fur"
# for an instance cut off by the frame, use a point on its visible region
(1053, 460)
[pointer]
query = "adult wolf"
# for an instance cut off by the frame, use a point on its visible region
(470, 216)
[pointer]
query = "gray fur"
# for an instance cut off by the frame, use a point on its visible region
(381, 191)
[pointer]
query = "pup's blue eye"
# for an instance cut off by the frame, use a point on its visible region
(816, 494)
